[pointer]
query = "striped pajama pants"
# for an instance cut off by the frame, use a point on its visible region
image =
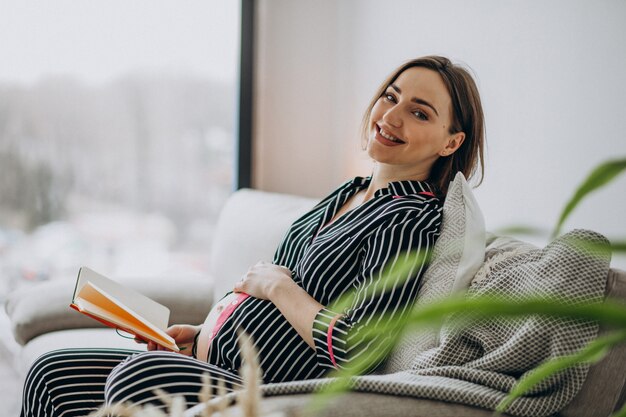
(75, 382)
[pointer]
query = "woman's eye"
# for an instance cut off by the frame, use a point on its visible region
(390, 97)
(420, 115)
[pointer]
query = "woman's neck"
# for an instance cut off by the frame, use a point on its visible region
(384, 174)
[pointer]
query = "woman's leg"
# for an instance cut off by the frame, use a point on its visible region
(137, 377)
(69, 382)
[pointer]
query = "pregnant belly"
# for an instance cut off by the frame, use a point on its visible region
(214, 320)
(282, 353)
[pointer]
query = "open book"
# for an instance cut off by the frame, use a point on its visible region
(117, 306)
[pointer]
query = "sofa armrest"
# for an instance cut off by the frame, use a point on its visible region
(45, 308)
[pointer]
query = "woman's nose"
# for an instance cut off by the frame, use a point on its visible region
(393, 117)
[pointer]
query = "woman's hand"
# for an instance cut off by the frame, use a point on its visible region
(273, 282)
(183, 334)
(261, 279)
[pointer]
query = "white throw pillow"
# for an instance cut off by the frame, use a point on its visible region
(458, 254)
(460, 250)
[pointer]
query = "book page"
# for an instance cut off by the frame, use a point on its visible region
(98, 297)
(153, 312)
(126, 323)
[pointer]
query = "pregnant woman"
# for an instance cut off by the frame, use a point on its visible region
(423, 125)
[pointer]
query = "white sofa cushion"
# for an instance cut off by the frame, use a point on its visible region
(250, 227)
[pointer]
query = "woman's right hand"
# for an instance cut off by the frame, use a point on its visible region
(183, 335)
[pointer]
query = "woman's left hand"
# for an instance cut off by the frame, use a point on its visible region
(261, 278)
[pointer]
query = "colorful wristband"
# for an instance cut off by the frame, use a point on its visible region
(329, 339)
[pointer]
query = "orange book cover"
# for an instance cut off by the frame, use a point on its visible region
(123, 308)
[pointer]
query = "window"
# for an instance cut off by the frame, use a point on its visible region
(117, 126)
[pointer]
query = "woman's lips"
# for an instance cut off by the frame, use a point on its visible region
(385, 141)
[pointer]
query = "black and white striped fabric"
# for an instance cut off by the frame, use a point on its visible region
(74, 382)
(348, 254)
(327, 261)
(62, 383)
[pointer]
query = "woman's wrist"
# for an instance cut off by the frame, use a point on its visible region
(279, 286)
(297, 306)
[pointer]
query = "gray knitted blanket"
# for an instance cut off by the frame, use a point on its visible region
(479, 365)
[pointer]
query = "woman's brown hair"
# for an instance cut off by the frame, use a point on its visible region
(467, 117)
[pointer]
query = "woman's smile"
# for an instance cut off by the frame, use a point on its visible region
(386, 138)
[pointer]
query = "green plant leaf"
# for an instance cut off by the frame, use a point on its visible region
(621, 412)
(618, 246)
(519, 229)
(478, 308)
(593, 352)
(599, 177)
(590, 248)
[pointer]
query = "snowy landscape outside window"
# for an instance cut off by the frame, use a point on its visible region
(116, 136)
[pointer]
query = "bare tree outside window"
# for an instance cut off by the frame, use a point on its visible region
(116, 136)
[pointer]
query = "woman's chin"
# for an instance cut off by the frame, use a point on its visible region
(379, 155)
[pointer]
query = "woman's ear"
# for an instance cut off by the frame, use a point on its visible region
(454, 142)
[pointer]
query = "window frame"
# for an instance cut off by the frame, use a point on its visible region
(243, 169)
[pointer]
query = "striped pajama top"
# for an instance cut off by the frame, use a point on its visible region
(328, 261)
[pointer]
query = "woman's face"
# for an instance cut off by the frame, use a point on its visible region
(409, 123)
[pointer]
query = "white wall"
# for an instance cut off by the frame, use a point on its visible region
(552, 77)
(297, 57)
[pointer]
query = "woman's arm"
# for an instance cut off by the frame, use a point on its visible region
(273, 282)
(298, 307)
(343, 336)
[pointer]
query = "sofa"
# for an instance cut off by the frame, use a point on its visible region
(249, 228)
